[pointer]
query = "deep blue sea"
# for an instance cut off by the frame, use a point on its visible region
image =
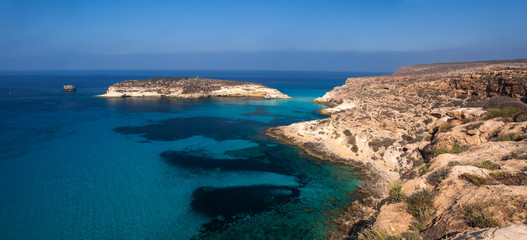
(75, 166)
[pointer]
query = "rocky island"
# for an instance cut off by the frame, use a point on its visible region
(191, 88)
(69, 88)
(442, 149)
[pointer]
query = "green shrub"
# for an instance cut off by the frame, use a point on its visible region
(436, 177)
(467, 120)
(511, 155)
(520, 117)
(487, 165)
(453, 163)
(502, 113)
(506, 107)
(505, 102)
(453, 150)
(474, 179)
(501, 177)
(458, 149)
(476, 215)
(507, 178)
(412, 235)
(396, 195)
(424, 170)
(445, 127)
(418, 226)
(376, 234)
(474, 126)
(421, 205)
(510, 137)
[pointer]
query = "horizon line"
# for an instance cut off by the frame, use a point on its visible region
(189, 69)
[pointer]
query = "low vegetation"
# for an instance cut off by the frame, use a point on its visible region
(421, 206)
(395, 193)
(434, 151)
(436, 177)
(500, 177)
(478, 216)
(511, 155)
(474, 179)
(453, 163)
(376, 234)
(510, 137)
(445, 127)
(378, 143)
(506, 107)
(487, 165)
(467, 120)
(502, 113)
(351, 140)
(474, 126)
(424, 170)
(520, 117)
(508, 178)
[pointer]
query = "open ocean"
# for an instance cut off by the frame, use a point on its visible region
(75, 166)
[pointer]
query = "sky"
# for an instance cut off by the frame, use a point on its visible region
(332, 35)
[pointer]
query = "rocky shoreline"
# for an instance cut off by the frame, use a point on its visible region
(191, 88)
(441, 146)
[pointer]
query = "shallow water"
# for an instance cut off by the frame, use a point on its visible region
(79, 167)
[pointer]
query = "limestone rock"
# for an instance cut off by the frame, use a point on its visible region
(512, 232)
(394, 219)
(466, 113)
(468, 134)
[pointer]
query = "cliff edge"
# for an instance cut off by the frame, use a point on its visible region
(191, 88)
(443, 148)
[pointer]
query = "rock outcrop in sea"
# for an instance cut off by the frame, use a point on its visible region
(191, 88)
(442, 147)
(69, 88)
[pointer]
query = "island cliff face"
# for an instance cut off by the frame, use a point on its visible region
(190, 88)
(441, 145)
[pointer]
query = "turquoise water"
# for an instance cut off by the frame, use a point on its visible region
(79, 167)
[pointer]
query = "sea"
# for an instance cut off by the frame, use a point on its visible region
(77, 166)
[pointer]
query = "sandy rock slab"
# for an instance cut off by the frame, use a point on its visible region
(512, 232)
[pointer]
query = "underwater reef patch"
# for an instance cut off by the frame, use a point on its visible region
(180, 128)
(188, 160)
(240, 201)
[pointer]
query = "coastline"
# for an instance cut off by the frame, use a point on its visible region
(386, 126)
(369, 192)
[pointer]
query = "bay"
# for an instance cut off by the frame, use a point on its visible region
(75, 166)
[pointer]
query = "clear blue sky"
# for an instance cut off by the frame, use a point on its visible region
(295, 35)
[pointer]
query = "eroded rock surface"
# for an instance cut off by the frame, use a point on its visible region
(512, 232)
(190, 88)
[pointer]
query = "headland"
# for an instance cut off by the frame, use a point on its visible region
(442, 148)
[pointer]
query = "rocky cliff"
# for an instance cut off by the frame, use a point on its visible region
(190, 88)
(441, 145)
